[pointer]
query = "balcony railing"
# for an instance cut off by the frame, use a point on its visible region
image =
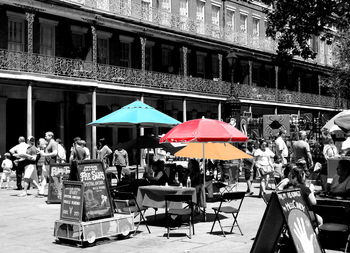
(163, 18)
(256, 93)
(75, 68)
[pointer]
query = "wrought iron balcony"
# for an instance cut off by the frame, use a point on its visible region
(256, 93)
(163, 18)
(149, 15)
(75, 68)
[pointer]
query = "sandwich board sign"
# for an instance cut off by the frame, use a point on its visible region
(97, 199)
(286, 209)
(72, 201)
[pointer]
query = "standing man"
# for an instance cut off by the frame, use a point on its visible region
(50, 155)
(120, 160)
(302, 152)
(281, 147)
(17, 151)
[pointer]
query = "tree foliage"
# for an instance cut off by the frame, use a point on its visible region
(294, 22)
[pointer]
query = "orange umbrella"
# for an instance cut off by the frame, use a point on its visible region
(212, 150)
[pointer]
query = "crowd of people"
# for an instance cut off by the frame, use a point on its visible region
(270, 160)
(29, 160)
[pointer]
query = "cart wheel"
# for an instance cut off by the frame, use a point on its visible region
(91, 237)
(126, 233)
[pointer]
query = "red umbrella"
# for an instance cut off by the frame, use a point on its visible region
(204, 130)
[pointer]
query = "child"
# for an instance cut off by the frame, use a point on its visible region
(277, 169)
(7, 167)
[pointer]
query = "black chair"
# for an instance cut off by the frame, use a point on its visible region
(125, 202)
(334, 232)
(229, 199)
(179, 212)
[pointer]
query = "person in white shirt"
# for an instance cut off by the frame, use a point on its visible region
(281, 147)
(263, 161)
(17, 151)
(6, 166)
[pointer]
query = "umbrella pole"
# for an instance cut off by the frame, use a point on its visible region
(204, 197)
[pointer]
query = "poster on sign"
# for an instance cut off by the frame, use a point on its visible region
(286, 209)
(97, 199)
(72, 201)
(273, 123)
(57, 173)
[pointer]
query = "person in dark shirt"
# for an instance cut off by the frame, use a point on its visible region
(78, 153)
(160, 177)
(297, 180)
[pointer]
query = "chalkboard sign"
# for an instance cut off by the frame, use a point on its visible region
(57, 173)
(286, 209)
(97, 199)
(72, 201)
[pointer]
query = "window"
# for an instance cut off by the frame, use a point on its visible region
(256, 27)
(15, 32)
(183, 14)
(201, 64)
(47, 36)
(78, 41)
(125, 7)
(125, 50)
(146, 6)
(103, 47)
(243, 23)
(215, 17)
(200, 16)
(231, 20)
(149, 55)
(165, 7)
(215, 66)
(167, 58)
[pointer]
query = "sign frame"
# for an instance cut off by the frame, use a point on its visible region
(81, 194)
(95, 169)
(286, 209)
(51, 198)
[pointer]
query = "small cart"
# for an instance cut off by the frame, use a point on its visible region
(89, 231)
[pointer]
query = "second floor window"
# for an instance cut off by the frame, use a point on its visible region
(243, 23)
(201, 64)
(16, 34)
(125, 56)
(149, 58)
(47, 37)
(102, 50)
(256, 27)
(167, 58)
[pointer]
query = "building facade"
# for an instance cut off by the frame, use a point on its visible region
(64, 63)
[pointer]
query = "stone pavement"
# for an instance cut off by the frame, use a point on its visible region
(27, 223)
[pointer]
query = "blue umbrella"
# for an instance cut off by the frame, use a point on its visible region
(136, 113)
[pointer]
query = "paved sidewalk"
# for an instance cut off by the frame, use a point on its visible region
(27, 223)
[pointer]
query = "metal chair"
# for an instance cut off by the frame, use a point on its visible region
(125, 202)
(226, 198)
(186, 211)
(335, 228)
